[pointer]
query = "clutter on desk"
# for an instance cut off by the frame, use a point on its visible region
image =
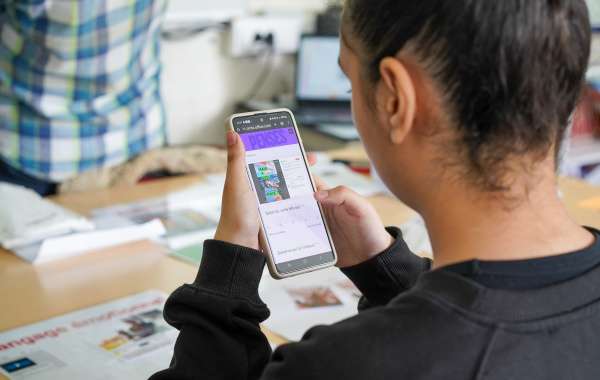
(582, 159)
(581, 156)
(189, 216)
(39, 231)
(27, 219)
(124, 339)
(335, 174)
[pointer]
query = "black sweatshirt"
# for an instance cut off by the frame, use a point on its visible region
(414, 323)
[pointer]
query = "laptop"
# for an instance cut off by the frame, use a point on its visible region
(322, 90)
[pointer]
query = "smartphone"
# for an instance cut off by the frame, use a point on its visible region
(294, 233)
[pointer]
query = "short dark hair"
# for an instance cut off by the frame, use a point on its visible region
(512, 70)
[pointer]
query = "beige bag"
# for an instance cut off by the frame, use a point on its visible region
(199, 160)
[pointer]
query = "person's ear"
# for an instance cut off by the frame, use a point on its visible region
(399, 98)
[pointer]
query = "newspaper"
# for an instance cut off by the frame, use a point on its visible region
(124, 339)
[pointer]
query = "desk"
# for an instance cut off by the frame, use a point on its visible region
(34, 293)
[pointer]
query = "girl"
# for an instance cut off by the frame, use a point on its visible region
(462, 106)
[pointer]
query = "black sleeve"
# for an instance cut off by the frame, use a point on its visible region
(384, 277)
(218, 317)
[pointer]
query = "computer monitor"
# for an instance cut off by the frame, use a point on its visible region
(319, 77)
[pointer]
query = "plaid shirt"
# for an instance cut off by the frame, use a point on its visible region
(79, 84)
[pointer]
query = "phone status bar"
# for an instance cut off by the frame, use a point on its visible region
(262, 122)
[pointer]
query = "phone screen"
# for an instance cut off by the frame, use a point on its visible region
(291, 217)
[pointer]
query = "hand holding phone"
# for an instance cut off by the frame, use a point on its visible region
(258, 203)
(239, 223)
(356, 228)
(293, 233)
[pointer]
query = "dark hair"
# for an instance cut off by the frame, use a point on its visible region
(512, 70)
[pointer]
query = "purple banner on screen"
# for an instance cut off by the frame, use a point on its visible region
(269, 139)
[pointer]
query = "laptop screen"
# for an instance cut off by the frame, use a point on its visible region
(319, 76)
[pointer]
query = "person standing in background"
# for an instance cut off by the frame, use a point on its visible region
(79, 87)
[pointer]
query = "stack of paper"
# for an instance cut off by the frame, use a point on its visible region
(40, 231)
(26, 218)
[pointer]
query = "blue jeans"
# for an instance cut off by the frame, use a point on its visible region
(15, 176)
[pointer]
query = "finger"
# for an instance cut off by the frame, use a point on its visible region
(319, 183)
(235, 178)
(341, 196)
(312, 159)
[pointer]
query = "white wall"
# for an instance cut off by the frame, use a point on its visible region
(201, 83)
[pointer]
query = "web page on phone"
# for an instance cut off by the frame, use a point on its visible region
(291, 217)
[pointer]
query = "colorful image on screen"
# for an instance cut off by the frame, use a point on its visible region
(269, 182)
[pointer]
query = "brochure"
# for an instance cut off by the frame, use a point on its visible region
(123, 339)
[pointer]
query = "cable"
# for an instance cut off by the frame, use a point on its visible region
(269, 54)
(267, 40)
(183, 33)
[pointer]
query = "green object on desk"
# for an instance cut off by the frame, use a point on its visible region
(191, 254)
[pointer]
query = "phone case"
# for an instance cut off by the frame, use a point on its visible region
(263, 238)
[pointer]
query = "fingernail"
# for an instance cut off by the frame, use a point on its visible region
(322, 194)
(231, 138)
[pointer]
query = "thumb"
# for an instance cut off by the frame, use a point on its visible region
(235, 178)
(319, 183)
(341, 196)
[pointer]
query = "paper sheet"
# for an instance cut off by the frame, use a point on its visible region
(297, 304)
(74, 244)
(190, 216)
(416, 236)
(336, 174)
(124, 339)
(26, 218)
